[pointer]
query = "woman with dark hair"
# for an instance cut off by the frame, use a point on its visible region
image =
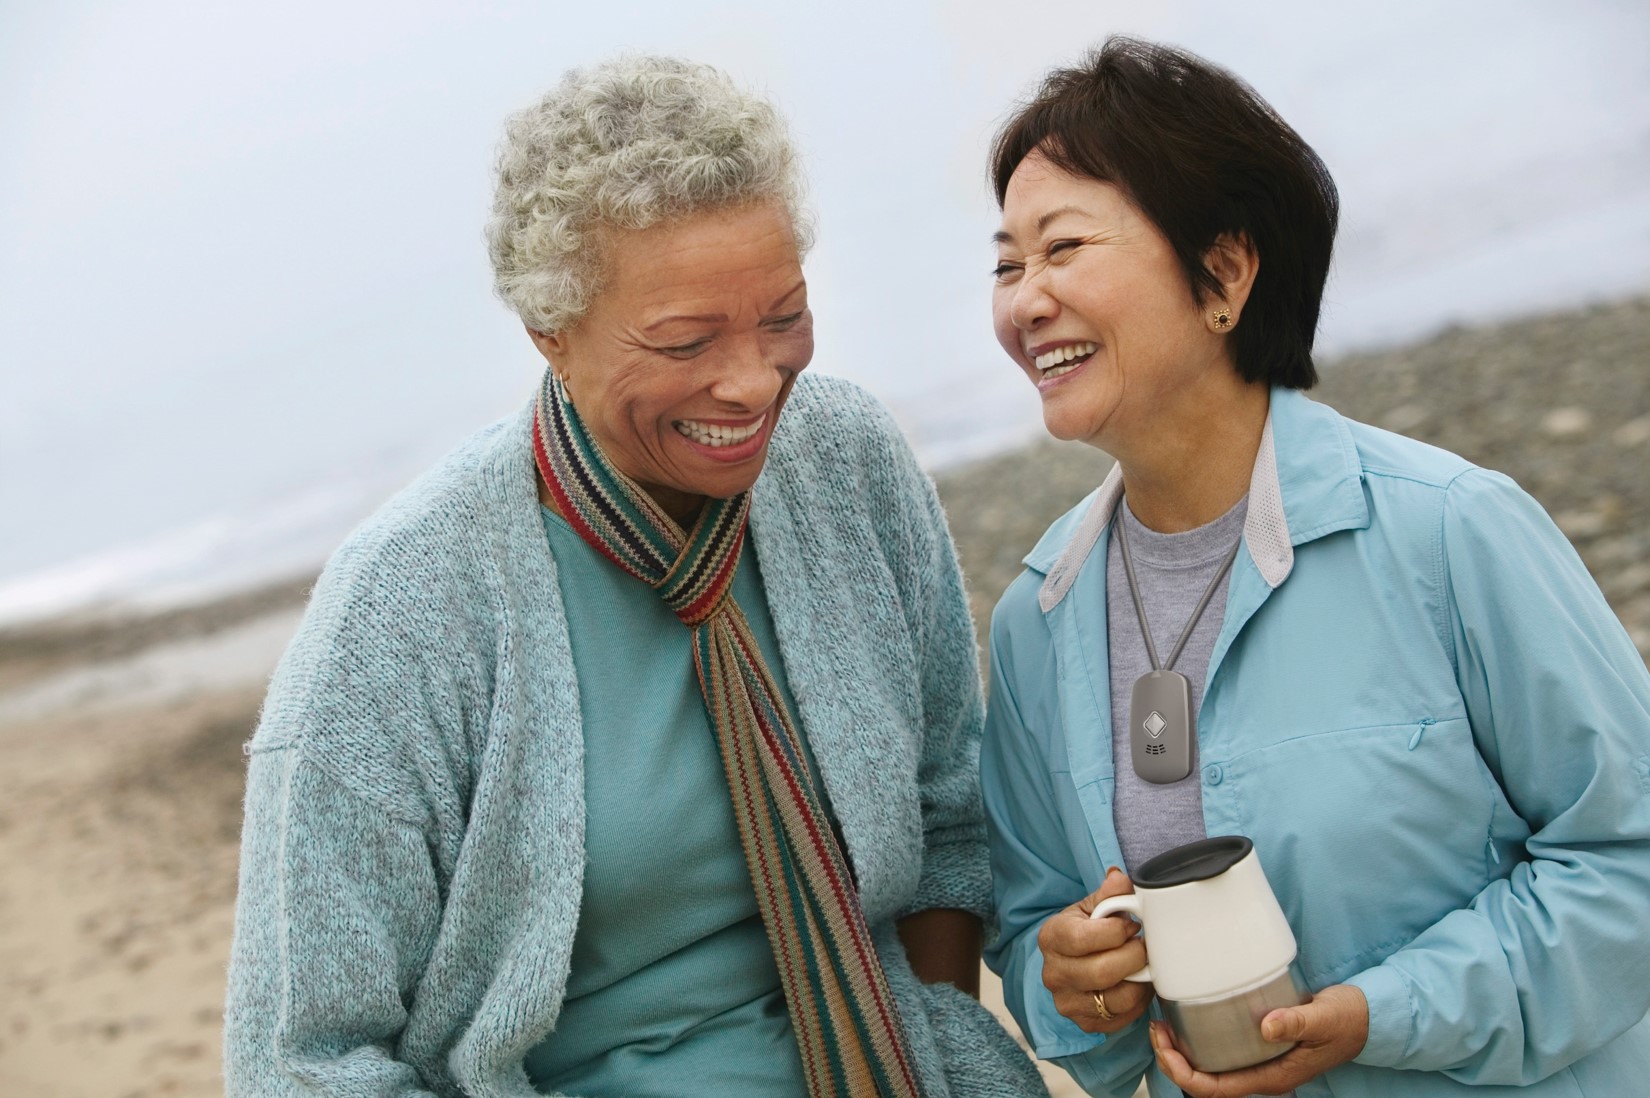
(1403, 685)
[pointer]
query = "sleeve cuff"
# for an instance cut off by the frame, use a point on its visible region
(1391, 1016)
(956, 875)
(1061, 1048)
(1050, 1034)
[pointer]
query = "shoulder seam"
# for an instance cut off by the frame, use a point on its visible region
(303, 754)
(1415, 478)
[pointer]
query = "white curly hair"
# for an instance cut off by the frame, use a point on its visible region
(629, 143)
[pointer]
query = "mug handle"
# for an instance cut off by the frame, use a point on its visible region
(1126, 904)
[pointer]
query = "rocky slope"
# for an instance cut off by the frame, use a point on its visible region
(1560, 403)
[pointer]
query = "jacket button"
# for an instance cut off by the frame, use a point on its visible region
(1211, 775)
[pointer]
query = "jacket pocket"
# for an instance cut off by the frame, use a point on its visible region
(1370, 834)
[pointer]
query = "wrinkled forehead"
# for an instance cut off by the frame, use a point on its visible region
(751, 252)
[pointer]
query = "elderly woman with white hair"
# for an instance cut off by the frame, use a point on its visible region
(567, 785)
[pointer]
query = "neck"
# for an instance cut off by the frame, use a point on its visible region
(681, 506)
(1195, 462)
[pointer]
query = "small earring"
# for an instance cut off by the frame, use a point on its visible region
(1222, 319)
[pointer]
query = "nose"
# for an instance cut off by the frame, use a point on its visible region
(1030, 303)
(747, 378)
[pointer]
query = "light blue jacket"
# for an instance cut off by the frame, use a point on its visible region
(413, 854)
(1424, 714)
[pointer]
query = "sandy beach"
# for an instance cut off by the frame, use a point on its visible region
(120, 793)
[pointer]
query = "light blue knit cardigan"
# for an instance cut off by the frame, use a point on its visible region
(413, 850)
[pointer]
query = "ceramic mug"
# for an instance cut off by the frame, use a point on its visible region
(1220, 954)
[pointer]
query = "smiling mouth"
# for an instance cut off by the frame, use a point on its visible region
(1063, 360)
(717, 435)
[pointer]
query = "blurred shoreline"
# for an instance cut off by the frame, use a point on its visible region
(120, 800)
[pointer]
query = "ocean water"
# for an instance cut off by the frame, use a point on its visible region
(243, 296)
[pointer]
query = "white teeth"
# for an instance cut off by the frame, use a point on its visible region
(717, 435)
(1048, 360)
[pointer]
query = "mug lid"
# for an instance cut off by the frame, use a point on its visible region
(1197, 861)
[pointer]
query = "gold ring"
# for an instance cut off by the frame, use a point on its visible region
(1100, 1006)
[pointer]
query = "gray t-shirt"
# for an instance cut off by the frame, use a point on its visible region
(1173, 570)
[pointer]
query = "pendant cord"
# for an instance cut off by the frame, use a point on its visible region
(1140, 608)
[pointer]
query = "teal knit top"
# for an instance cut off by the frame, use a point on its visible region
(672, 986)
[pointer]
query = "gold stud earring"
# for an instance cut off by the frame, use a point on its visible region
(1222, 319)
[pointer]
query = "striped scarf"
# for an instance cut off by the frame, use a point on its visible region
(847, 1024)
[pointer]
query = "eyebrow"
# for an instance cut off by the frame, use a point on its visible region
(719, 318)
(801, 284)
(701, 318)
(1001, 237)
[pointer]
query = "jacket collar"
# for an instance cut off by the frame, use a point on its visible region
(1307, 482)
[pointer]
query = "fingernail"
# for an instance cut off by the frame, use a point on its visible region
(1110, 869)
(1270, 1030)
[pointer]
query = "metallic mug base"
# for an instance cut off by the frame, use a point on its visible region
(1223, 1034)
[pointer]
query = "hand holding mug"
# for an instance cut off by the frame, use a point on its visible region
(1085, 961)
(1328, 1031)
(1223, 954)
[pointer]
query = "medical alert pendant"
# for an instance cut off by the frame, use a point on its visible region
(1161, 726)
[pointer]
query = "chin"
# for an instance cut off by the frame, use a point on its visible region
(1078, 420)
(724, 487)
(1064, 429)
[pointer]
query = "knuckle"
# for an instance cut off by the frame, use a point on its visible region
(1083, 1019)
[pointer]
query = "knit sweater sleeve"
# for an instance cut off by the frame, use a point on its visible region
(348, 786)
(337, 905)
(955, 866)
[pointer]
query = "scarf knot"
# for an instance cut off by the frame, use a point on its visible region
(697, 585)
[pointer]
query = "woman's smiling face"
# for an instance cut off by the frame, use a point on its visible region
(681, 366)
(1091, 302)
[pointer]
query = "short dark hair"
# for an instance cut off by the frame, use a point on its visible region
(1201, 155)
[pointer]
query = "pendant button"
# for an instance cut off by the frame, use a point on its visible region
(1212, 775)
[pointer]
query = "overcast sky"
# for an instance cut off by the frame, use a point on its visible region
(240, 247)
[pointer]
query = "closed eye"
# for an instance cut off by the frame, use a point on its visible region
(685, 350)
(781, 323)
(1006, 272)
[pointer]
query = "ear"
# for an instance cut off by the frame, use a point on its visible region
(554, 347)
(1234, 263)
